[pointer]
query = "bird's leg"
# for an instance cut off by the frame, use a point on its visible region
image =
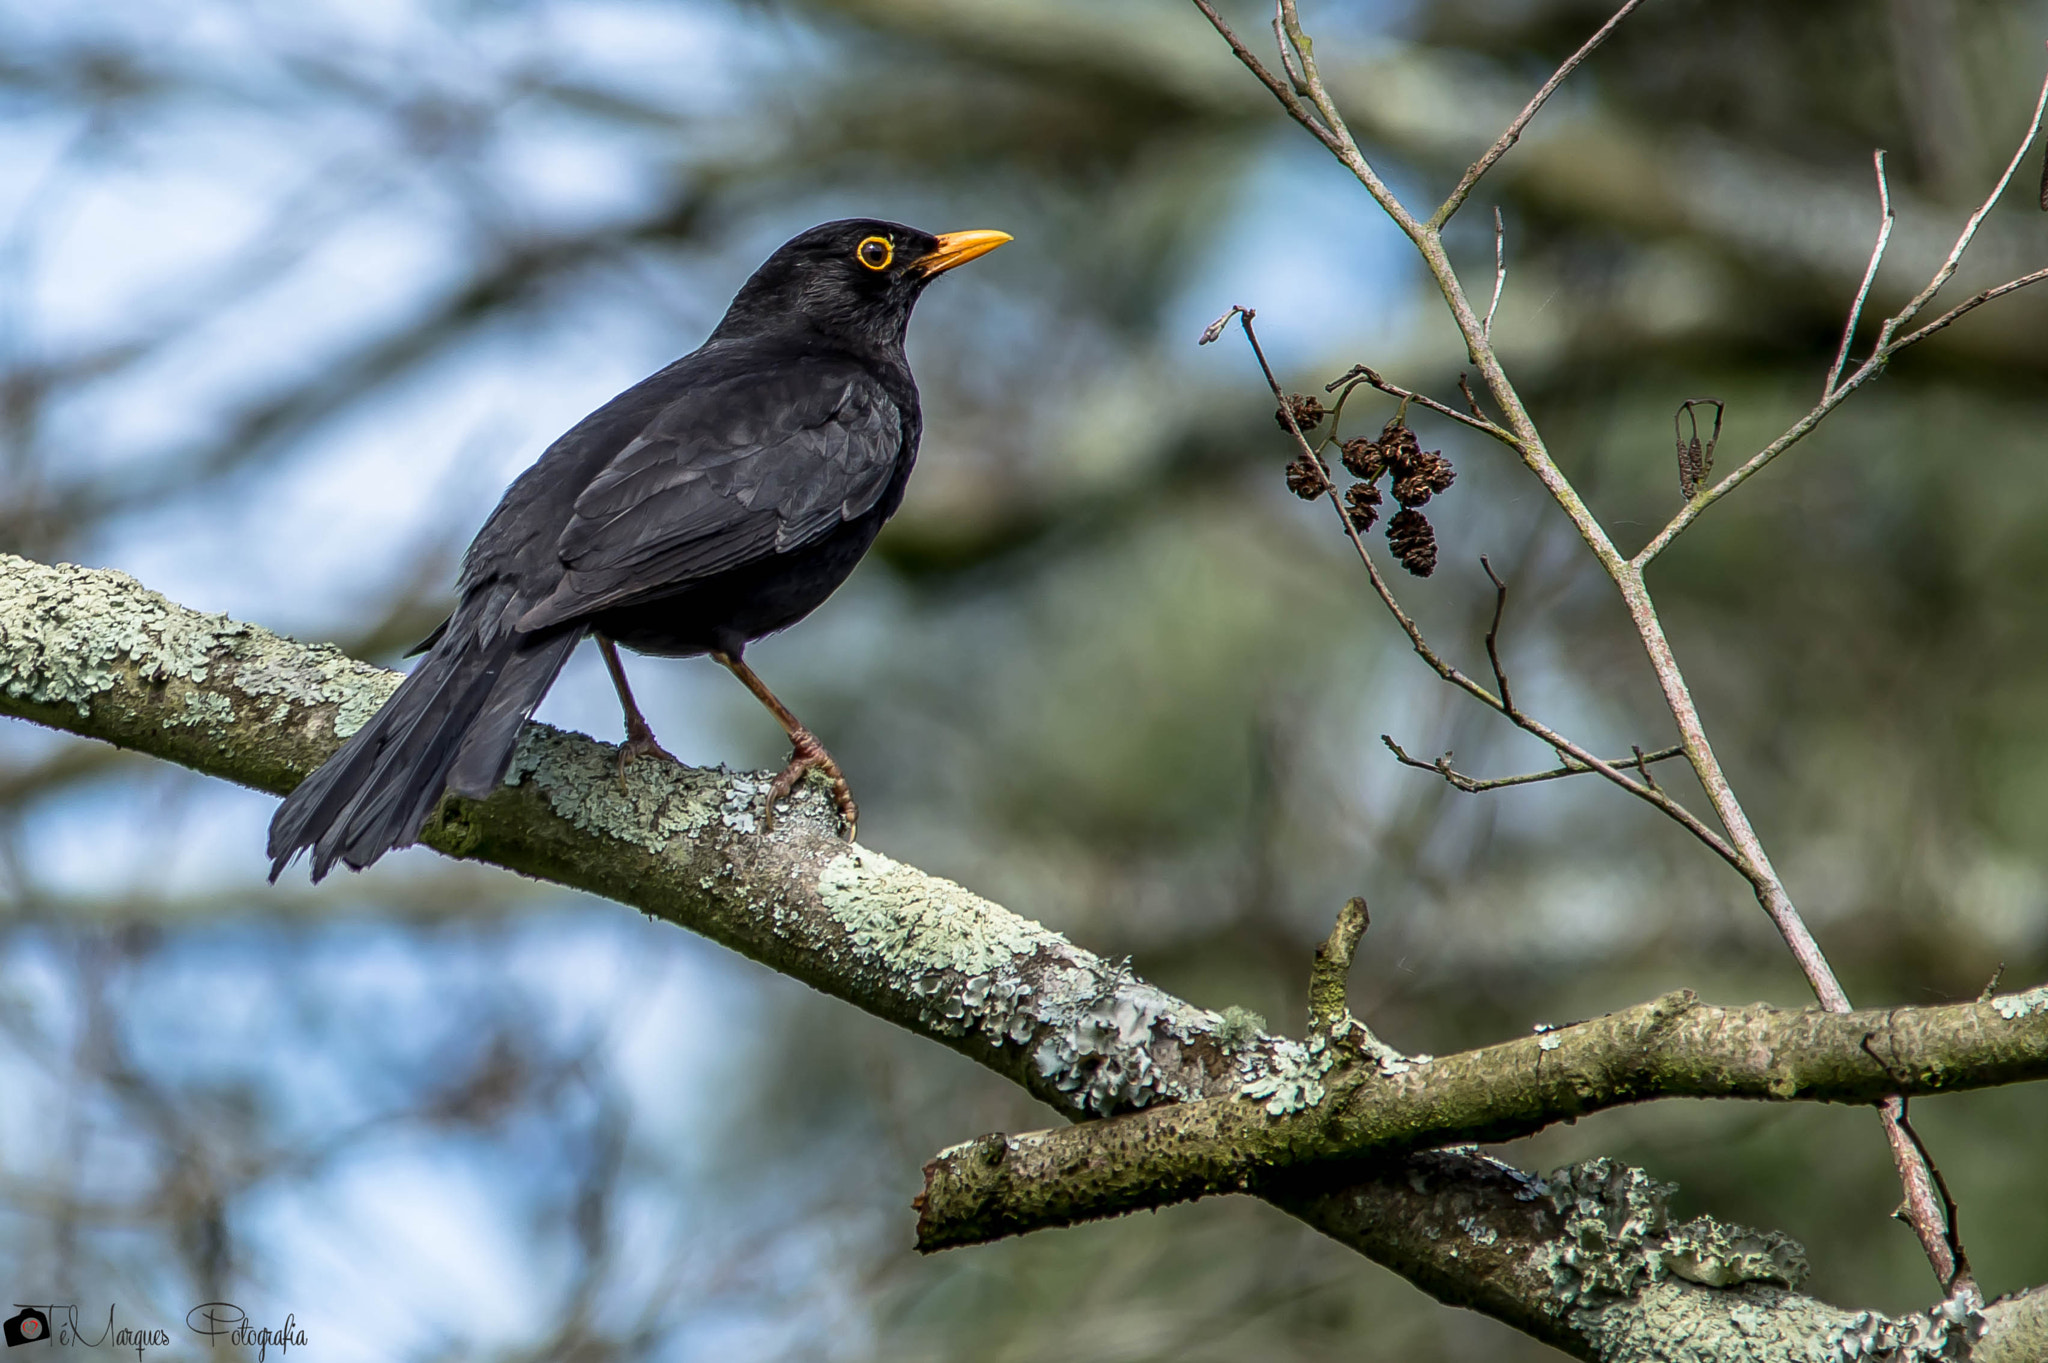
(639, 738)
(806, 752)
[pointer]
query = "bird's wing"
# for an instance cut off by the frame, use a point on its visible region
(725, 474)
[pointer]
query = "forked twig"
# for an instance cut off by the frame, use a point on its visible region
(1371, 377)
(1475, 785)
(1889, 343)
(1884, 235)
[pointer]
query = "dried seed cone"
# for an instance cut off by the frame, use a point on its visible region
(1692, 467)
(1362, 457)
(1434, 469)
(1413, 540)
(1308, 412)
(1361, 504)
(1305, 480)
(1398, 445)
(1412, 490)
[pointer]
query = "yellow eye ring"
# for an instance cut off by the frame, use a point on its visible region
(875, 252)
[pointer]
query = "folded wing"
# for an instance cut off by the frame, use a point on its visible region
(727, 474)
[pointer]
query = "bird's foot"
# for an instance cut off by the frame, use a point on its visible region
(807, 755)
(639, 743)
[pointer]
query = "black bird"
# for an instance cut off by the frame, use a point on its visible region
(712, 503)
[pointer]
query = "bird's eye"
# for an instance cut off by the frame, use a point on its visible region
(876, 253)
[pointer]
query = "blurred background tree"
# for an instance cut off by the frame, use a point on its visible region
(287, 294)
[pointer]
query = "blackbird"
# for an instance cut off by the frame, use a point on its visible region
(712, 503)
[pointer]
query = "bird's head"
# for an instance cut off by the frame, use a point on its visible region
(855, 280)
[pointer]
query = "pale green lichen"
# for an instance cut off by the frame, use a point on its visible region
(915, 924)
(1944, 1334)
(649, 806)
(1630, 1282)
(1617, 1235)
(1293, 1078)
(1105, 1040)
(1237, 1027)
(2013, 1007)
(311, 676)
(205, 709)
(65, 631)
(1706, 1252)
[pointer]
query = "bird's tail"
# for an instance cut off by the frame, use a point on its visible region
(450, 726)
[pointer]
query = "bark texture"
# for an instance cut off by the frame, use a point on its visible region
(1586, 1259)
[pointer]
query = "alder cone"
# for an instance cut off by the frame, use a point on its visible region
(1412, 490)
(1308, 413)
(1363, 458)
(1413, 540)
(1361, 504)
(1305, 480)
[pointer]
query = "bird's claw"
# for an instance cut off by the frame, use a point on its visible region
(807, 755)
(640, 743)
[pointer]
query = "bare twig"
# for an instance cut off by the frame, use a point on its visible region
(1885, 219)
(1282, 90)
(1969, 232)
(1742, 848)
(1500, 272)
(1969, 304)
(1289, 62)
(1513, 132)
(1500, 605)
(1889, 343)
(1473, 785)
(1478, 421)
(1471, 398)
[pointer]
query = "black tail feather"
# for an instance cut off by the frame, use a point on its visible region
(451, 725)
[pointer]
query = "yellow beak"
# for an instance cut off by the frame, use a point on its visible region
(957, 248)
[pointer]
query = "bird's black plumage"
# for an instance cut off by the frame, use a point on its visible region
(714, 502)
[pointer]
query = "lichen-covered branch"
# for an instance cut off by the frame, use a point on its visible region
(1674, 1047)
(94, 653)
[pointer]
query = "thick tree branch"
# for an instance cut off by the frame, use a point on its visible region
(93, 653)
(1674, 1047)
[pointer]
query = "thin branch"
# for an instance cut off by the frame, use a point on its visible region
(1282, 91)
(1474, 785)
(1500, 605)
(1564, 747)
(1500, 272)
(1884, 235)
(1969, 232)
(1889, 344)
(1514, 129)
(1471, 398)
(1478, 421)
(1967, 305)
